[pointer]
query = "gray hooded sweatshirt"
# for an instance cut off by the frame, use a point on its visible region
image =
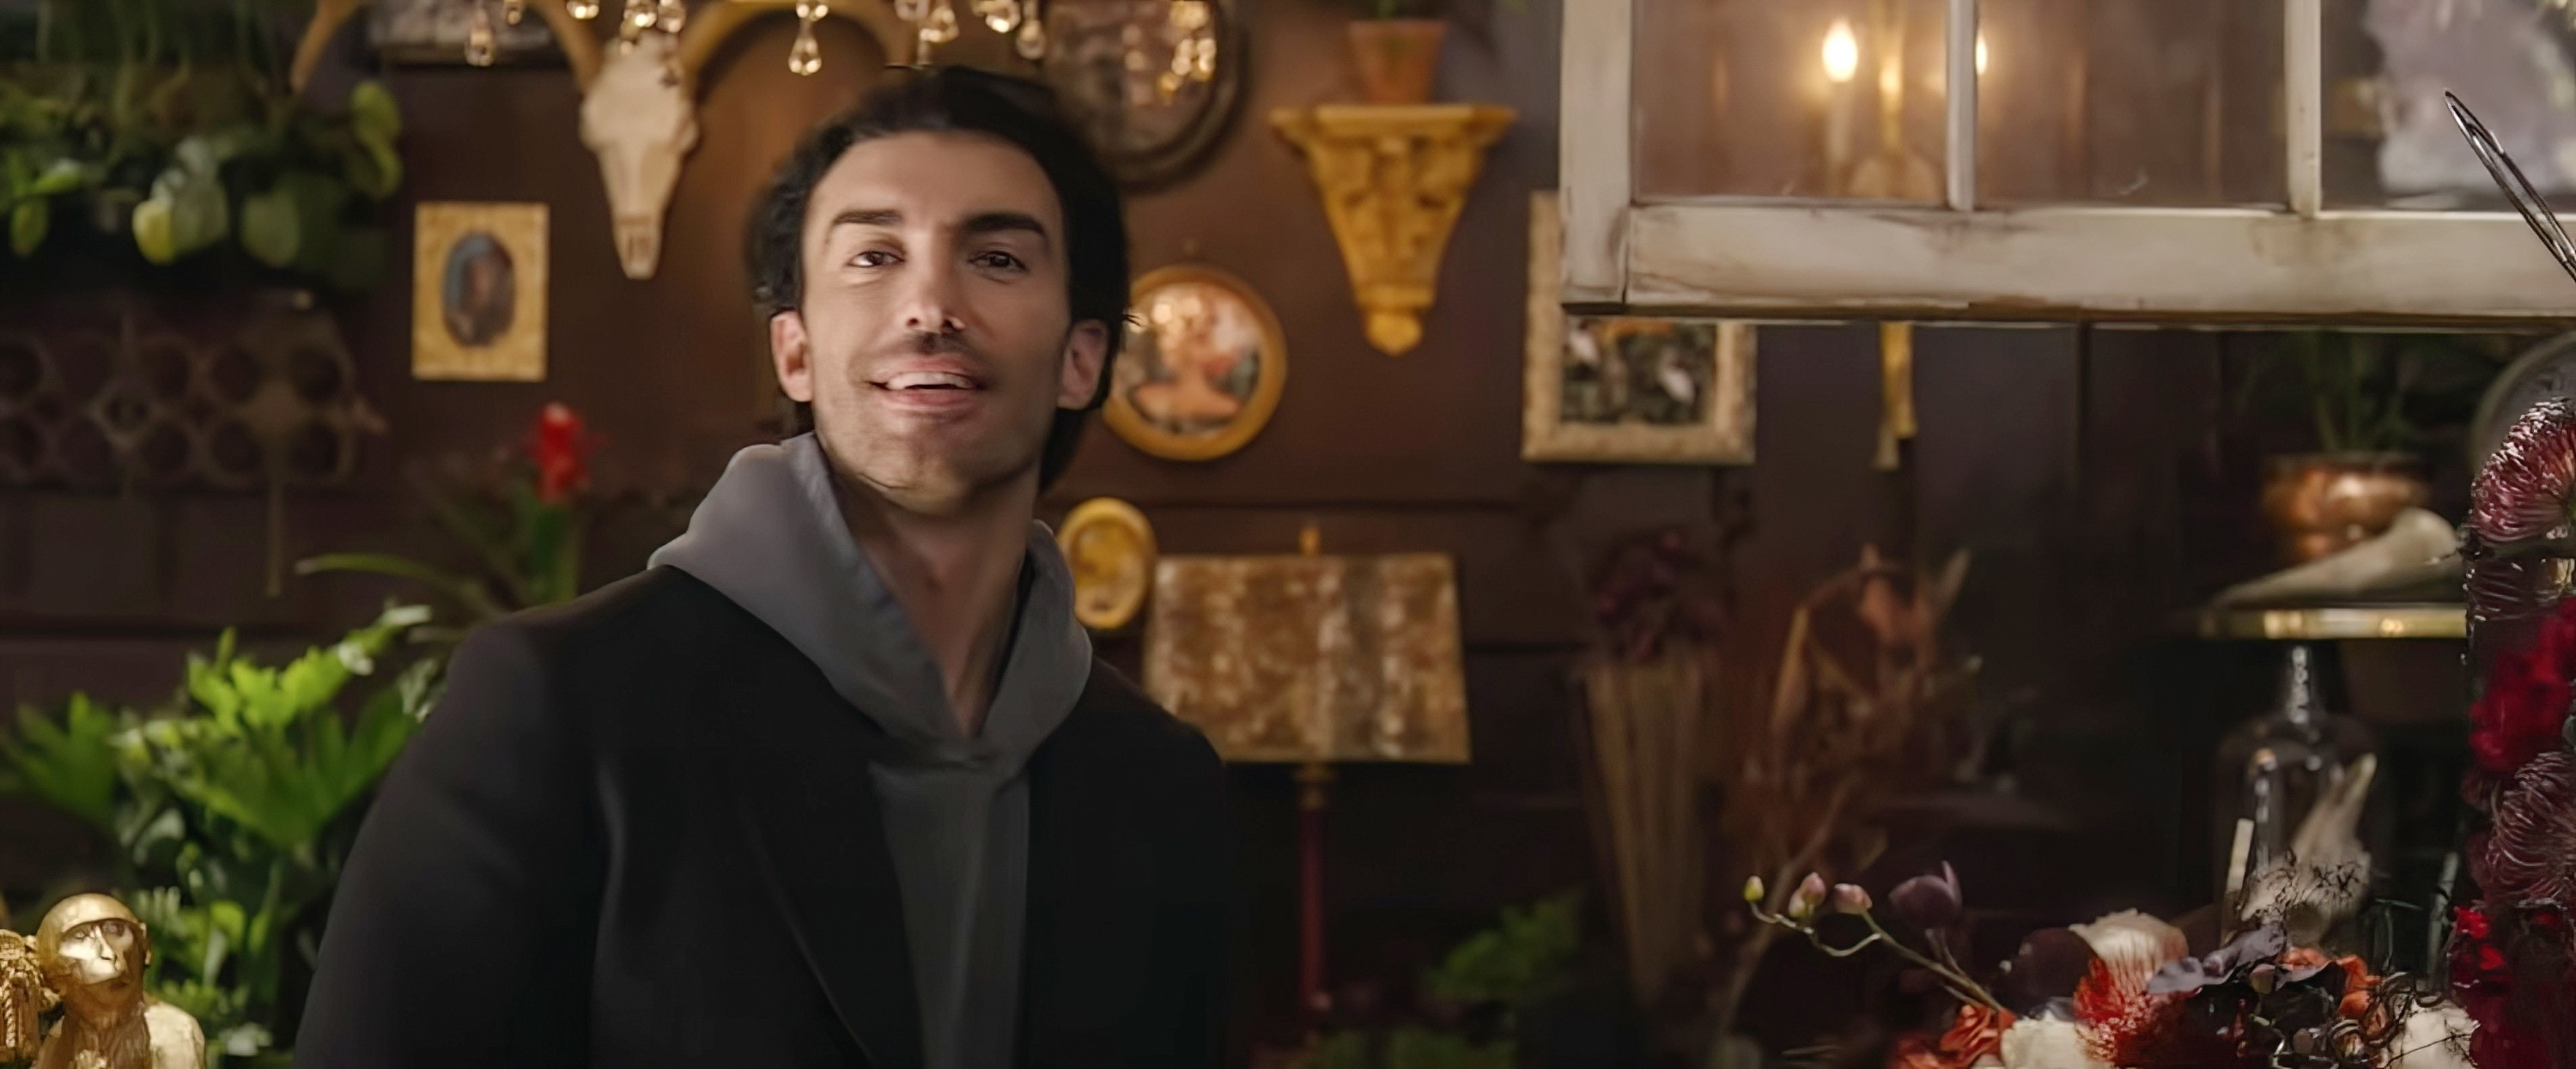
(770, 536)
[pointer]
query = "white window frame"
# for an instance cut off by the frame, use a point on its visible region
(1778, 256)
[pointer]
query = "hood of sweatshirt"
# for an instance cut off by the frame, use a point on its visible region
(772, 538)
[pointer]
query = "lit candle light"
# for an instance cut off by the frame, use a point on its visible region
(1842, 64)
(1842, 52)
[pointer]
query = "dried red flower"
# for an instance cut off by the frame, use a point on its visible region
(2358, 984)
(2122, 1022)
(2522, 491)
(1978, 1032)
(561, 449)
(2523, 711)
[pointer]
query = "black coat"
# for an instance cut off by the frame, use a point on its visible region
(638, 831)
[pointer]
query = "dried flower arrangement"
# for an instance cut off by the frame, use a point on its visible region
(2125, 991)
(2512, 954)
(1869, 703)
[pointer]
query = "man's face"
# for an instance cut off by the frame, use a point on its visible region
(933, 337)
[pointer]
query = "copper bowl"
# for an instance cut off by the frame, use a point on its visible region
(2318, 504)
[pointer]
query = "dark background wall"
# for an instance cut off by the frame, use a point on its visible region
(2086, 469)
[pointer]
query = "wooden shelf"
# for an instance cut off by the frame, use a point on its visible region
(2422, 620)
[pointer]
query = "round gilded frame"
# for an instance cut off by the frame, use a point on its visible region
(1271, 375)
(1149, 164)
(1126, 597)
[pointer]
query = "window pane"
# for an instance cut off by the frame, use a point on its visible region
(2390, 140)
(1790, 98)
(2131, 102)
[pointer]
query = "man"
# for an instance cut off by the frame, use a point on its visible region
(837, 781)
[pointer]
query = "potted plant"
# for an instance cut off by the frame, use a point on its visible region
(1397, 52)
(1396, 46)
(232, 811)
(2362, 395)
(159, 140)
(523, 521)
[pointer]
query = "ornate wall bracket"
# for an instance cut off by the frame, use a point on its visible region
(1393, 180)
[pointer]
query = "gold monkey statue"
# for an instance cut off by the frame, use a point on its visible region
(88, 957)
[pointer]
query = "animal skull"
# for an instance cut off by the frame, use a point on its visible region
(641, 118)
(639, 108)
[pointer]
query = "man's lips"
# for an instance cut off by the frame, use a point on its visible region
(929, 385)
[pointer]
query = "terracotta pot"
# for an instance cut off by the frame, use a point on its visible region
(1397, 58)
(2320, 503)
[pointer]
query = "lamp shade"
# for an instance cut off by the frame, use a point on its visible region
(1311, 658)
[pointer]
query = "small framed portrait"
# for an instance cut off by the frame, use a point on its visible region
(479, 292)
(1150, 122)
(1202, 368)
(439, 31)
(1629, 389)
(1110, 549)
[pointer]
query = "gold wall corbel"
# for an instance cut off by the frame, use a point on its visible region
(1393, 180)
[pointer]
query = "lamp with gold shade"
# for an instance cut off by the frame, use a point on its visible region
(1312, 660)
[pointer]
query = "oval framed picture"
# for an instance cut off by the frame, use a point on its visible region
(1110, 549)
(1151, 122)
(1202, 368)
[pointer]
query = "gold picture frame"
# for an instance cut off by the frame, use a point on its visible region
(1693, 398)
(1110, 549)
(1208, 403)
(479, 292)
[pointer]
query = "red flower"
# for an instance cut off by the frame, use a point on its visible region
(2470, 924)
(562, 452)
(2522, 492)
(2523, 710)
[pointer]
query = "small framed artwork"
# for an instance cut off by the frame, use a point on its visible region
(1110, 549)
(437, 31)
(479, 292)
(1149, 122)
(1628, 389)
(1202, 369)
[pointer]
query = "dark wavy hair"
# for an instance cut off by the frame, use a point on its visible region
(1016, 111)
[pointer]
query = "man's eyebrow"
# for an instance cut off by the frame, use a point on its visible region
(999, 222)
(864, 217)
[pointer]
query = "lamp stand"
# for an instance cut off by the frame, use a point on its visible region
(1313, 1002)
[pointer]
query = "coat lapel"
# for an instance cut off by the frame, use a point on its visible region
(1091, 902)
(810, 813)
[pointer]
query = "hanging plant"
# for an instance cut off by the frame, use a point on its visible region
(142, 135)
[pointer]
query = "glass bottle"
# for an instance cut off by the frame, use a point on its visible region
(2273, 769)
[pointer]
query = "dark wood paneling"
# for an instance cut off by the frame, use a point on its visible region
(2082, 469)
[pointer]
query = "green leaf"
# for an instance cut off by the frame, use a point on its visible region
(270, 229)
(72, 766)
(374, 113)
(373, 168)
(64, 176)
(466, 592)
(186, 212)
(28, 223)
(319, 200)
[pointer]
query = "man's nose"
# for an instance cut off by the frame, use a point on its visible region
(932, 303)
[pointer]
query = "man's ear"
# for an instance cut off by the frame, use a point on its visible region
(792, 354)
(1086, 349)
